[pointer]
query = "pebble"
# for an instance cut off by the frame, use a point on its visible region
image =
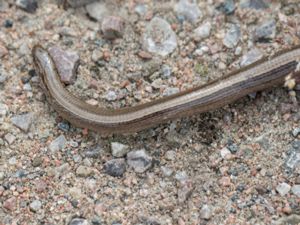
(10, 138)
(170, 155)
(283, 188)
(2, 176)
(115, 167)
(166, 71)
(3, 5)
(232, 36)
(79, 221)
(97, 10)
(206, 212)
(227, 7)
(8, 23)
(23, 121)
(111, 96)
(35, 205)
(58, 144)
(255, 4)
(84, 171)
(296, 132)
(67, 63)
(97, 55)
(3, 110)
(225, 181)
(181, 176)
(3, 51)
(251, 57)
(145, 55)
(203, 31)
(112, 27)
(27, 87)
(10, 204)
(29, 6)
(188, 9)
(139, 160)
(266, 31)
(94, 152)
(296, 190)
(225, 153)
(119, 150)
(3, 77)
(170, 91)
(293, 159)
(141, 9)
(37, 161)
(159, 38)
(166, 171)
(185, 190)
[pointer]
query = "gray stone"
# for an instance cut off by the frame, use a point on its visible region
(97, 10)
(166, 71)
(167, 172)
(23, 121)
(296, 190)
(3, 110)
(206, 212)
(111, 96)
(2, 176)
(159, 38)
(115, 167)
(225, 152)
(29, 6)
(10, 138)
(67, 63)
(79, 221)
(202, 32)
(283, 188)
(27, 87)
(3, 78)
(58, 144)
(181, 176)
(232, 36)
(84, 171)
(266, 31)
(94, 152)
(141, 9)
(293, 159)
(185, 190)
(119, 150)
(139, 160)
(189, 9)
(251, 57)
(170, 91)
(227, 7)
(296, 132)
(35, 205)
(170, 155)
(255, 4)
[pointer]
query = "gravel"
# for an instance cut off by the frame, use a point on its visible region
(235, 165)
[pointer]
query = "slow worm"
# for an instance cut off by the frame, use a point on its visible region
(275, 70)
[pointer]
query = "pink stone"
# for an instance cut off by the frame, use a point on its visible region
(67, 63)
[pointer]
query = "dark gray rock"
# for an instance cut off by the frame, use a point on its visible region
(266, 31)
(115, 167)
(29, 6)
